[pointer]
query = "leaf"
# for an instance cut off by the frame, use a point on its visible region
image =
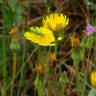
(92, 92)
(40, 85)
(77, 54)
(93, 6)
(80, 86)
(9, 19)
(12, 3)
(87, 42)
(18, 14)
(64, 79)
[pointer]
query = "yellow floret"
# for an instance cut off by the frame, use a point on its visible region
(93, 79)
(55, 21)
(41, 36)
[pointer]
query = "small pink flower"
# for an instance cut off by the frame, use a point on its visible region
(90, 29)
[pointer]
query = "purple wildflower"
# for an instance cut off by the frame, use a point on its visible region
(90, 29)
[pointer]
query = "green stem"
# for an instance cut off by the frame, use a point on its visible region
(4, 51)
(56, 47)
(24, 65)
(76, 66)
(49, 86)
(22, 70)
(4, 66)
(14, 71)
(63, 91)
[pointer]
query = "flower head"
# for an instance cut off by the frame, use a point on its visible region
(40, 69)
(53, 59)
(14, 32)
(90, 29)
(75, 42)
(56, 22)
(41, 36)
(53, 56)
(93, 79)
(15, 44)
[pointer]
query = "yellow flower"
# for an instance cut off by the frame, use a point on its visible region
(41, 36)
(55, 21)
(93, 79)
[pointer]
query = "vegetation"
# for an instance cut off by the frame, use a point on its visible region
(48, 48)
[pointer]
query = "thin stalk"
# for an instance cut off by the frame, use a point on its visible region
(24, 65)
(14, 71)
(56, 88)
(76, 65)
(56, 45)
(22, 71)
(48, 68)
(88, 60)
(83, 68)
(4, 51)
(56, 49)
(4, 66)
(49, 90)
(63, 91)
